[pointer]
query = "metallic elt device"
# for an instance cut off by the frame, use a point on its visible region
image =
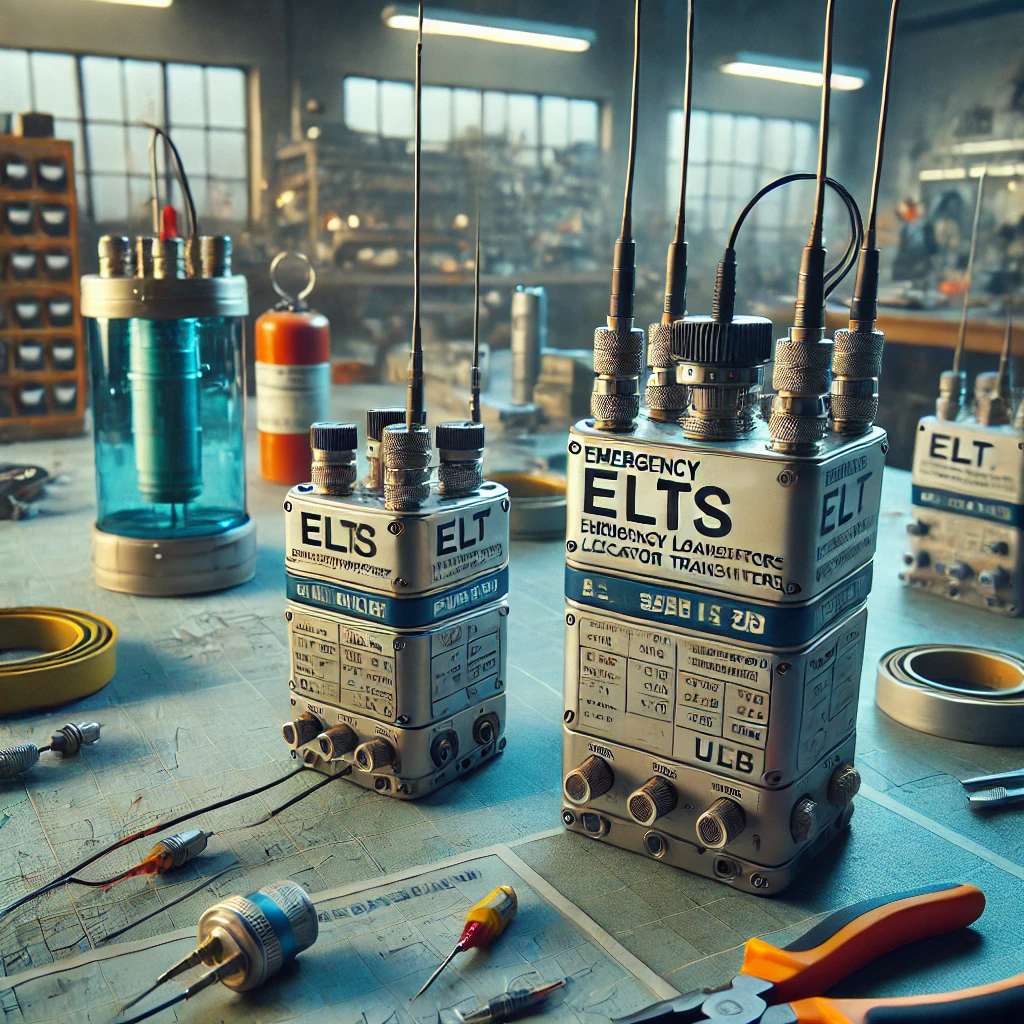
(717, 566)
(967, 534)
(397, 593)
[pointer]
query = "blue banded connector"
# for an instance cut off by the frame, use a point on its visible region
(398, 629)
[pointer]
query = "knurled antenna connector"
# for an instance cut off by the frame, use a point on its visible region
(333, 446)
(952, 395)
(67, 741)
(618, 364)
(460, 449)
(721, 362)
(801, 378)
(173, 852)
(664, 396)
(406, 459)
(376, 422)
(853, 392)
(991, 407)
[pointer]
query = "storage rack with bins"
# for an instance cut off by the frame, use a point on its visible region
(42, 354)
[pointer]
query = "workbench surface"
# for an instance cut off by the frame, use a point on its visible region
(194, 714)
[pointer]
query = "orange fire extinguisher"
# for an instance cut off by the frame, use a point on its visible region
(293, 379)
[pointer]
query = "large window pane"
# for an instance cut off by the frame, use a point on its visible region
(225, 95)
(495, 114)
(583, 122)
(699, 126)
(466, 114)
(436, 112)
(721, 138)
(778, 144)
(144, 89)
(396, 110)
(229, 200)
(748, 140)
(359, 97)
(228, 155)
(186, 94)
(107, 148)
(15, 97)
(554, 119)
(101, 84)
(191, 143)
(109, 197)
(72, 130)
(522, 119)
(55, 81)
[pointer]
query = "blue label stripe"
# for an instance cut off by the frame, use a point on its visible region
(402, 613)
(1003, 512)
(771, 625)
(279, 922)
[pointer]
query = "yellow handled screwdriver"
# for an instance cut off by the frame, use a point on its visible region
(485, 921)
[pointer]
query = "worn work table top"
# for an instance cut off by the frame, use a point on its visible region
(194, 714)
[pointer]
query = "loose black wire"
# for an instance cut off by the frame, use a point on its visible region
(170, 903)
(179, 173)
(151, 830)
(154, 1010)
(845, 265)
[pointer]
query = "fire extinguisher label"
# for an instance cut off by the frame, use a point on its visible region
(290, 398)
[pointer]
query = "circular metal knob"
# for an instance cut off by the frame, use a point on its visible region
(803, 823)
(844, 785)
(486, 728)
(958, 571)
(720, 824)
(593, 778)
(301, 731)
(334, 742)
(994, 579)
(653, 800)
(374, 755)
(333, 447)
(917, 528)
(445, 748)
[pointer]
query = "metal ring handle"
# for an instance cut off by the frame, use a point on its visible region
(310, 276)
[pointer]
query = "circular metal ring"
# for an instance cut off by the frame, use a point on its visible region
(310, 275)
(957, 692)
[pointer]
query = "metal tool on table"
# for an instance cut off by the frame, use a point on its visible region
(509, 1005)
(485, 921)
(783, 986)
(991, 791)
(244, 940)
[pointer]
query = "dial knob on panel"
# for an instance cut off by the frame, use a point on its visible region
(958, 571)
(301, 731)
(591, 779)
(843, 785)
(374, 755)
(720, 824)
(803, 823)
(337, 740)
(653, 800)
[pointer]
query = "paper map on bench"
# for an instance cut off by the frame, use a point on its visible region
(378, 943)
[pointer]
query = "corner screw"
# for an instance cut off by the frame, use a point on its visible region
(570, 545)
(787, 477)
(503, 611)
(504, 504)
(885, 447)
(395, 527)
(783, 668)
(570, 619)
(569, 717)
(287, 616)
(399, 645)
(574, 448)
(568, 817)
(401, 582)
(287, 506)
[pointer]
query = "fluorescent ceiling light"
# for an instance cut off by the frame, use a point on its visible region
(795, 72)
(140, 3)
(975, 171)
(987, 146)
(942, 174)
(515, 31)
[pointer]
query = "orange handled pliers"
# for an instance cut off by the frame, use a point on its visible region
(783, 986)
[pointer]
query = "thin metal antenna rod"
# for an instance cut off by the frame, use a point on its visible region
(627, 201)
(961, 340)
(1002, 377)
(474, 401)
(826, 98)
(883, 118)
(414, 401)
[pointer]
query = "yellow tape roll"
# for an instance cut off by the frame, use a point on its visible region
(79, 657)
